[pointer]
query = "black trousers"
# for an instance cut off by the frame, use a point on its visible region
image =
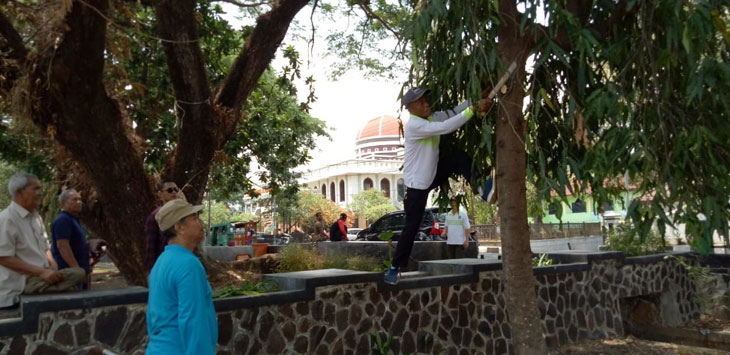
(415, 202)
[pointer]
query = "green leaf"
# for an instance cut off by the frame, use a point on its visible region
(686, 40)
(545, 97)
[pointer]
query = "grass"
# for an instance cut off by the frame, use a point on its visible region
(245, 289)
(296, 258)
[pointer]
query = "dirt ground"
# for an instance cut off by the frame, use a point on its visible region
(106, 276)
(707, 322)
(631, 346)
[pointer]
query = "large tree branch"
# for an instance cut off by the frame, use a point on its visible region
(256, 55)
(197, 124)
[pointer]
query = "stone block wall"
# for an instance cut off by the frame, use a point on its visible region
(459, 309)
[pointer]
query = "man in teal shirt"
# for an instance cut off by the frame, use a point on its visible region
(180, 314)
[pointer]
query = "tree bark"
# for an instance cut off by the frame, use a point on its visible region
(524, 316)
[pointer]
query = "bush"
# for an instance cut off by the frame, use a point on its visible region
(294, 257)
(625, 238)
(542, 260)
(364, 263)
(353, 262)
(337, 261)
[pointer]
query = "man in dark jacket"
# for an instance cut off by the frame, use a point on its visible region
(338, 230)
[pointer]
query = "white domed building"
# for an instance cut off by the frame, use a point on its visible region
(377, 164)
(379, 139)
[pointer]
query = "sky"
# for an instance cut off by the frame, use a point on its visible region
(345, 105)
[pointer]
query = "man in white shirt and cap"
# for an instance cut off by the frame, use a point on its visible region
(423, 170)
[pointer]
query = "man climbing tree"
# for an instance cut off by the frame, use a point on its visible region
(612, 87)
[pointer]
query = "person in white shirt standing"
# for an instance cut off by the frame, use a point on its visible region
(457, 231)
(423, 170)
(26, 263)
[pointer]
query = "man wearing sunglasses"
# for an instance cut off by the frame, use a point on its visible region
(167, 191)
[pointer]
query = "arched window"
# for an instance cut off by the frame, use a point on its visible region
(367, 184)
(332, 191)
(578, 206)
(324, 190)
(401, 187)
(385, 187)
(342, 190)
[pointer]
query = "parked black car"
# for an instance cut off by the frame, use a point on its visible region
(395, 221)
(280, 239)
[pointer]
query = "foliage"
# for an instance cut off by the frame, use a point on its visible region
(535, 205)
(369, 44)
(22, 148)
(294, 257)
(352, 262)
(596, 108)
(219, 213)
(372, 204)
(6, 171)
(381, 347)
(388, 236)
(308, 204)
(277, 131)
(245, 289)
(659, 116)
(484, 213)
(542, 260)
(626, 238)
(245, 217)
(286, 206)
(706, 294)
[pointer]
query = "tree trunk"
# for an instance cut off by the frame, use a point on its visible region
(524, 316)
(75, 110)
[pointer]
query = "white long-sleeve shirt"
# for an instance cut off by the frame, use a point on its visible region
(422, 143)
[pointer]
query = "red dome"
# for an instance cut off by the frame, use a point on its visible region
(378, 127)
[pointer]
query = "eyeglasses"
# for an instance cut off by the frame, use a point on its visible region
(172, 190)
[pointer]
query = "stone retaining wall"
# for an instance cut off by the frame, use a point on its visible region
(459, 309)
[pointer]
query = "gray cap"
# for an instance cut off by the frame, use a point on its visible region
(411, 95)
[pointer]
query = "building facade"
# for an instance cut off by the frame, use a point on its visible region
(377, 165)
